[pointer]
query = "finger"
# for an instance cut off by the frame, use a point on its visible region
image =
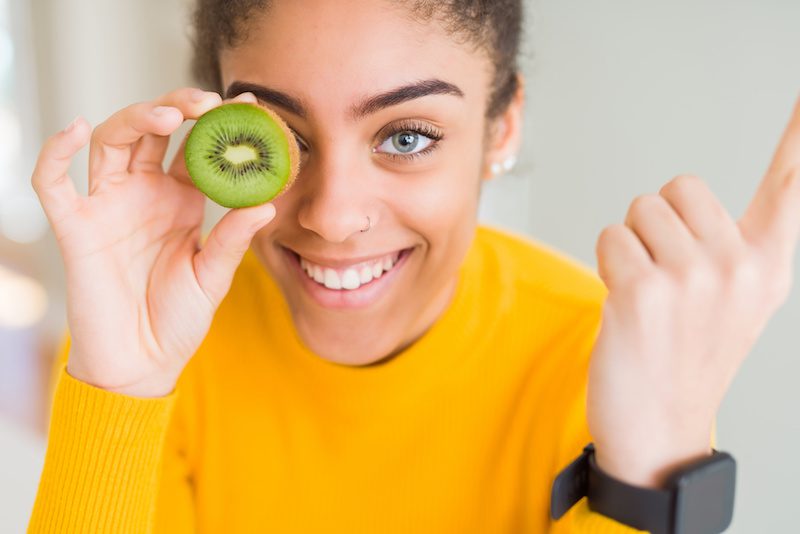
(661, 231)
(177, 168)
(148, 153)
(216, 262)
(50, 180)
(772, 219)
(244, 97)
(787, 155)
(112, 142)
(700, 210)
(621, 256)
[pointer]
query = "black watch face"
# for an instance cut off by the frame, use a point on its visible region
(704, 497)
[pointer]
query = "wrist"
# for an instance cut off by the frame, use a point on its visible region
(651, 470)
(698, 497)
(147, 388)
(649, 463)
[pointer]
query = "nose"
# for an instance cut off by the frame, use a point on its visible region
(335, 200)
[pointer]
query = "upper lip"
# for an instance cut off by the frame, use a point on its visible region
(340, 263)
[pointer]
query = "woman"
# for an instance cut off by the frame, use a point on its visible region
(233, 385)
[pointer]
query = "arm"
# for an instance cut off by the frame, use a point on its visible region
(690, 291)
(142, 290)
(113, 464)
(575, 435)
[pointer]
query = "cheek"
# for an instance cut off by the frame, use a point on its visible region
(446, 199)
(442, 212)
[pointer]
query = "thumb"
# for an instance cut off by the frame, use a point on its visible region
(224, 249)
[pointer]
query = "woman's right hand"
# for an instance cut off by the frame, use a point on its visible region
(141, 292)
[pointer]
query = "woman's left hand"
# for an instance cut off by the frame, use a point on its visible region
(690, 291)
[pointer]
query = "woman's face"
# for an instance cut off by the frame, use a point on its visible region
(390, 117)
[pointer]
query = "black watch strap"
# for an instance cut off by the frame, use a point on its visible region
(643, 508)
(697, 499)
(571, 485)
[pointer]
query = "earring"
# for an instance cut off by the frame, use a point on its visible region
(496, 169)
(499, 168)
(509, 163)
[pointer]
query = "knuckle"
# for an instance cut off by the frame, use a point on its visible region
(609, 234)
(642, 205)
(682, 187)
(45, 156)
(684, 182)
(181, 94)
(171, 98)
(743, 275)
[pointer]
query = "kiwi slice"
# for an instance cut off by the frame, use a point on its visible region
(241, 155)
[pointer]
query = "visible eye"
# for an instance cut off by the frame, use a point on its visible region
(408, 140)
(300, 142)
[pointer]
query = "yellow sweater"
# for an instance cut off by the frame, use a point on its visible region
(462, 433)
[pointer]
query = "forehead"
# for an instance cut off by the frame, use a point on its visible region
(326, 51)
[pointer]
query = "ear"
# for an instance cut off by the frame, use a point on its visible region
(505, 136)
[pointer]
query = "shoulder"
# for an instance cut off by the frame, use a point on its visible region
(536, 270)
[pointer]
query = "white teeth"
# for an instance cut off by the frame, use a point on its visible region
(350, 279)
(319, 276)
(365, 276)
(332, 279)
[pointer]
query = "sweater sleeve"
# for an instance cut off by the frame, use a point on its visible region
(109, 466)
(581, 520)
(574, 437)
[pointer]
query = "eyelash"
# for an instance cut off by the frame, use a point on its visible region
(404, 126)
(420, 128)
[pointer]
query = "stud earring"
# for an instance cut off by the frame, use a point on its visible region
(509, 163)
(499, 168)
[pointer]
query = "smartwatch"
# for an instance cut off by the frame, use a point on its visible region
(696, 499)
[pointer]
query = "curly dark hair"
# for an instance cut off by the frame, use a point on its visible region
(492, 25)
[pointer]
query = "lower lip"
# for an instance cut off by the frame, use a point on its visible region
(366, 295)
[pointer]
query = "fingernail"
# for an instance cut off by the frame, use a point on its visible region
(246, 97)
(158, 111)
(270, 213)
(71, 125)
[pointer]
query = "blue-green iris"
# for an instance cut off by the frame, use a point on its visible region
(405, 142)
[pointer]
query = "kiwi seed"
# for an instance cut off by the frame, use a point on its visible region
(241, 155)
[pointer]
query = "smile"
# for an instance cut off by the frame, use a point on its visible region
(348, 283)
(351, 277)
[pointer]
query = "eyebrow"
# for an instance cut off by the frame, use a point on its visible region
(366, 106)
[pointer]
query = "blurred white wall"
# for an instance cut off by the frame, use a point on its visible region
(622, 95)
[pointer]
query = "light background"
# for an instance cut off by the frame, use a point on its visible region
(622, 96)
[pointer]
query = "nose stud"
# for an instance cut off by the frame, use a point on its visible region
(369, 225)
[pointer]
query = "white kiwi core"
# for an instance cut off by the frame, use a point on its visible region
(240, 154)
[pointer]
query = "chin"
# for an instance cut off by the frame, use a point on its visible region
(355, 351)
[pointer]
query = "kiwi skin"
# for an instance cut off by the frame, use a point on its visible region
(194, 150)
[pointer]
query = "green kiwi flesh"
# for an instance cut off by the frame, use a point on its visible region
(241, 155)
